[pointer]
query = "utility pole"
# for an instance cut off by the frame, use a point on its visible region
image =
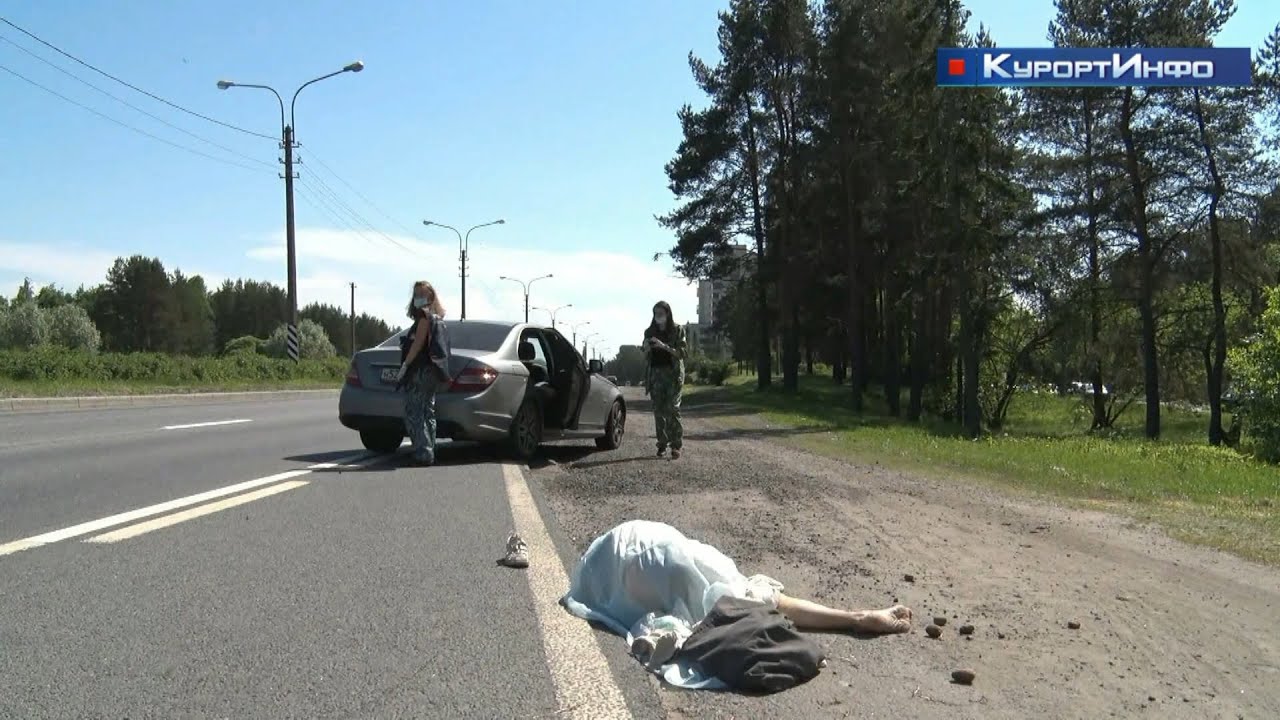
(353, 318)
(287, 143)
(292, 340)
(464, 244)
(524, 286)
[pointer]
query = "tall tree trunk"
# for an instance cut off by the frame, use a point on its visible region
(920, 350)
(854, 327)
(1147, 262)
(892, 352)
(1100, 418)
(971, 414)
(1219, 359)
(764, 360)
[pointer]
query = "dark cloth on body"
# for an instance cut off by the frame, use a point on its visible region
(752, 647)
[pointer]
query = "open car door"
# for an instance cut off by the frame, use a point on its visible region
(571, 379)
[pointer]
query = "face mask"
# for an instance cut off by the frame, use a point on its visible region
(660, 319)
(419, 302)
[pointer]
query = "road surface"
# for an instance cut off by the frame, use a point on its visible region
(249, 560)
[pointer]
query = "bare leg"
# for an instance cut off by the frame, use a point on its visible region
(809, 615)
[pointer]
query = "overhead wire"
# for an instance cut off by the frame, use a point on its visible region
(352, 188)
(320, 183)
(131, 106)
(125, 125)
(316, 200)
(129, 85)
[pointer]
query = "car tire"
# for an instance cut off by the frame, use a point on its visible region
(381, 441)
(614, 428)
(525, 435)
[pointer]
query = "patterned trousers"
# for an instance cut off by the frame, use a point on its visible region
(666, 388)
(420, 412)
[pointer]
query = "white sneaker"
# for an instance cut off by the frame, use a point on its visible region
(517, 553)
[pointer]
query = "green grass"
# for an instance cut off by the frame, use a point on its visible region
(1206, 495)
(94, 388)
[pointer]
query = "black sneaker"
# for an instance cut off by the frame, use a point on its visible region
(675, 453)
(661, 451)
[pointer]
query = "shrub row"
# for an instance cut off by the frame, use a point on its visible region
(59, 364)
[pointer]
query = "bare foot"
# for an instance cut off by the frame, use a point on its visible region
(896, 619)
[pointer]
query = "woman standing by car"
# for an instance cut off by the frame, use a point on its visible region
(424, 366)
(664, 347)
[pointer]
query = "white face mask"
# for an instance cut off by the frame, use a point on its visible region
(660, 319)
(420, 302)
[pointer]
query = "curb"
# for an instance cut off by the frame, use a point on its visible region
(110, 402)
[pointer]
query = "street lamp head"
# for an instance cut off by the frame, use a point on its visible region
(503, 277)
(356, 66)
(428, 223)
(500, 222)
(224, 84)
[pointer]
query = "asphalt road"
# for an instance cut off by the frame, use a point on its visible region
(275, 584)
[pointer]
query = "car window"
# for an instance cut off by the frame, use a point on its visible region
(539, 349)
(466, 335)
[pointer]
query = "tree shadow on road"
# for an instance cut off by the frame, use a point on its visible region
(769, 432)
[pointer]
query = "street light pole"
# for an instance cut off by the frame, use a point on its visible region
(525, 287)
(584, 343)
(575, 330)
(554, 313)
(464, 242)
(287, 144)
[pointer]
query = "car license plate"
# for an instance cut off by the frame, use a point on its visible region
(389, 375)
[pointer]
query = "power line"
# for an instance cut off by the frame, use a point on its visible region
(316, 200)
(357, 192)
(358, 217)
(153, 96)
(127, 104)
(125, 125)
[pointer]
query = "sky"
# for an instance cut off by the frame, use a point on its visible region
(555, 117)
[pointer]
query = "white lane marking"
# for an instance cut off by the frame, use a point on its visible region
(584, 685)
(206, 424)
(146, 526)
(127, 517)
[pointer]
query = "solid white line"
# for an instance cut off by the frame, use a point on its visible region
(127, 517)
(584, 685)
(146, 526)
(205, 424)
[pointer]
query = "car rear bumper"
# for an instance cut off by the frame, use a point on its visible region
(458, 417)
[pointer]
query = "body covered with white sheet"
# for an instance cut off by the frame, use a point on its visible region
(644, 576)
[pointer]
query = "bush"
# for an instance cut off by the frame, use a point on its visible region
(23, 326)
(1255, 374)
(245, 344)
(313, 342)
(71, 327)
(48, 363)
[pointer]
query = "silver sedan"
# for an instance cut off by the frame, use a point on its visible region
(514, 384)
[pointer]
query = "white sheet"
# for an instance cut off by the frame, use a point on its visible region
(643, 577)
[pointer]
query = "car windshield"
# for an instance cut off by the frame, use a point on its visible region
(483, 336)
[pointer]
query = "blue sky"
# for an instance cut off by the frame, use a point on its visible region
(557, 117)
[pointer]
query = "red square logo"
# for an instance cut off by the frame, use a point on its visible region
(955, 66)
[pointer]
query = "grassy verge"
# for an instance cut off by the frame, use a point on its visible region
(89, 388)
(51, 372)
(1210, 496)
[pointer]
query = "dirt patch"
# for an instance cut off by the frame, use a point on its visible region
(1166, 630)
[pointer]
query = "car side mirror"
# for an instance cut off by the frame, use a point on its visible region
(595, 367)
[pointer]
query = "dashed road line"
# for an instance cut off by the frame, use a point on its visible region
(215, 423)
(584, 685)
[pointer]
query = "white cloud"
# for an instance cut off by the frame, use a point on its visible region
(66, 266)
(614, 292)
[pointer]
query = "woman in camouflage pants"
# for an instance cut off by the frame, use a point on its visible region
(664, 347)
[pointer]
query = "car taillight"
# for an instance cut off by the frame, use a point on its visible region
(353, 375)
(475, 377)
